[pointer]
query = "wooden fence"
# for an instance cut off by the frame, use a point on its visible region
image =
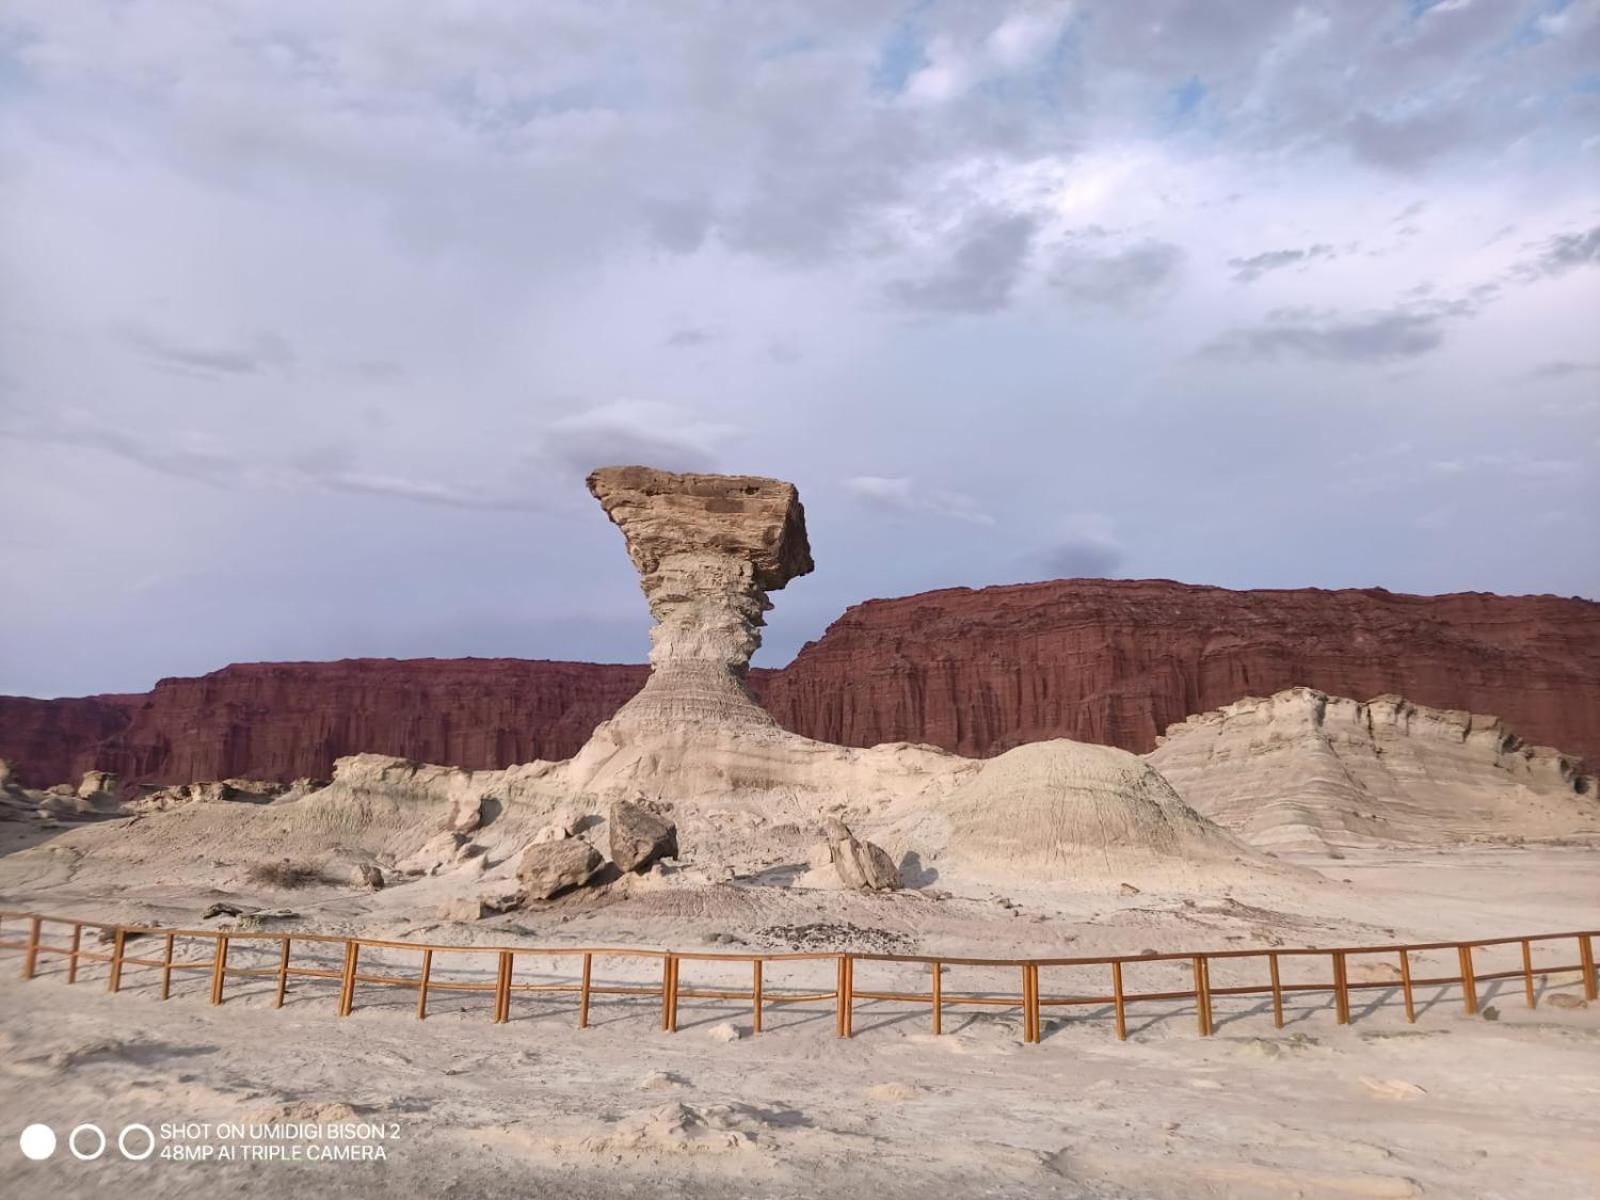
(843, 996)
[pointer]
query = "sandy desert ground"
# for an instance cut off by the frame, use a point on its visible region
(1500, 1104)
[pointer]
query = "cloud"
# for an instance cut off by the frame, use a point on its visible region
(1560, 254)
(686, 339)
(1518, 465)
(1118, 279)
(1562, 370)
(1087, 548)
(1381, 338)
(980, 274)
(642, 433)
(1248, 270)
(202, 460)
(263, 353)
(902, 495)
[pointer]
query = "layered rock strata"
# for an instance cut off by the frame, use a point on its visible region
(975, 671)
(1305, 770)
(708, 549)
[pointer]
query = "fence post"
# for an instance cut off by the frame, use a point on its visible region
(219, 968)
(938, 998)
(1469, 983)
(843, 994)
(1277, 991)
(666, 993)
(1405, 987)
(755, 995)
(72, 958)
(31, 957)
(672, 1003)
(1341, 988)
(1591, 987)
(1116, 1001)
(119, 939)
(283, 973)
(1202, 994)
(347, 985)
(422, 986)
(502, 990)
(1030, 1002)
(166, 968)
(1527, 974)
(583, 993)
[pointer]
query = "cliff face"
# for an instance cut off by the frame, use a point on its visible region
(56, 741)
(976, 672)
(287, 720)
(1117, 661)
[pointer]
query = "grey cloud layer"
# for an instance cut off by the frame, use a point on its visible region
(1011, 290)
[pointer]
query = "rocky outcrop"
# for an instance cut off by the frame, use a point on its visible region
(1305, 770)
(708, 549)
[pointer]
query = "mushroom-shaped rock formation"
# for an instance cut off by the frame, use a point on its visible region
(708, 549)
(743, 792)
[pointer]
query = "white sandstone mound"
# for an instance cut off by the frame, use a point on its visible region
(1076, 813)
(1304, 770)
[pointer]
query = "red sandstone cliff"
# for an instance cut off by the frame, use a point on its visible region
(979, 671)
(286, 720)
(976, 671)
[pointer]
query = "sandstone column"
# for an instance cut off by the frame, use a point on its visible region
(708, 549)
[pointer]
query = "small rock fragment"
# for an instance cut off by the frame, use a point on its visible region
(1392, 1089)
(462, 908)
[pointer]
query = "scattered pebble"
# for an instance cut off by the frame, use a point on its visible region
(896, 1092)
(1392, 1089)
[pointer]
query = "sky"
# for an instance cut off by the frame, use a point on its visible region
(314, 316)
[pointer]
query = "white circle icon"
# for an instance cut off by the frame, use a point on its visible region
(149, 1144)
(38, 1142)
(72, 1143)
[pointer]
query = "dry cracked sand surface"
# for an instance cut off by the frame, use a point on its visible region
(1451, 1106)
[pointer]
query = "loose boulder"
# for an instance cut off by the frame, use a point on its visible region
(465, 814)
(367, 875)
(97, 783)
(863, 866)
(549, 868)
(639, 836)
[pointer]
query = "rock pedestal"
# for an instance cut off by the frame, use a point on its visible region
(708, 549)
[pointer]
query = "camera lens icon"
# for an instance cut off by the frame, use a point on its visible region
(38, 1142)
(89, 1135)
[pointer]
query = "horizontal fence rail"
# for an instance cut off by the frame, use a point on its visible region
(339, 960)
